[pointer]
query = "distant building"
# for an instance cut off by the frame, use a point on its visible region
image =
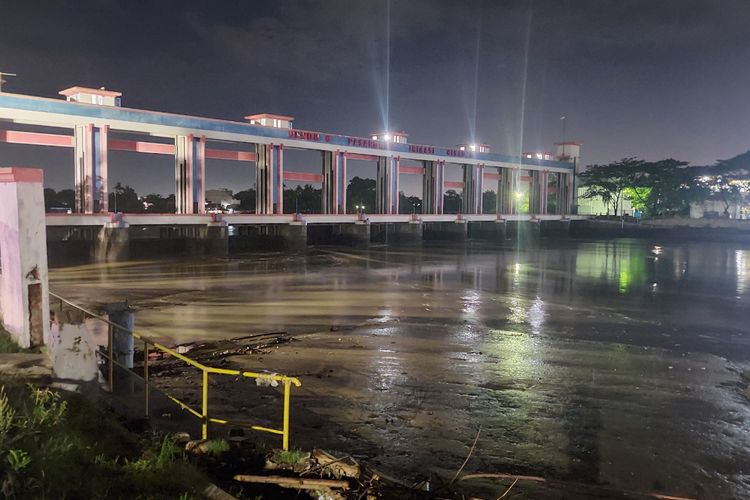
(714, 209)
(539, 155)
(220, 200)
(397, 137)
(86, 95)
(474, 148)
(270, 120)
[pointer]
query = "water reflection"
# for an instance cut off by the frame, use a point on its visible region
(538, 290)
(577, 358)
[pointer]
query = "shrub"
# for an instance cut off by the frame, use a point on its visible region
(51, 447)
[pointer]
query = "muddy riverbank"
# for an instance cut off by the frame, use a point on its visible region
(612, 363)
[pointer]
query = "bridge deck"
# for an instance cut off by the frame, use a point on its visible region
(240, 219)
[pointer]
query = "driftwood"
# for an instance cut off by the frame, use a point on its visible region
(337, 467)
(296, 483)
(502, 476)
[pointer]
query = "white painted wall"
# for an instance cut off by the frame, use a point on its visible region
(23, 251)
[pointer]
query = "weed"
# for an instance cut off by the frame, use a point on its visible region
(7, 344)
(48, 450)
(290, 457)
(217, 446)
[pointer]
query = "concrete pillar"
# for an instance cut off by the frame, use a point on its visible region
(473, 186)
(487, 230)
(450, 231)
(506, 194)
(294, 236)
(386, 188)
(91, 172)
(565, 193)
(112, 243)
(217, 239)
(356, 235)
(334, 182)
(525, 232)
(123, 344)
(538, 192)
(411, 233)
(433, 187)
(24, 291)
(269, 179)
(560, 228)
(189, 174)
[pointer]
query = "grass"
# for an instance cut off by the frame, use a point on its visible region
(55, 445)
(290, 457)
(7, 344)
(217, 446)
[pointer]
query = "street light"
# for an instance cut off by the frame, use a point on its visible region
(562, 119)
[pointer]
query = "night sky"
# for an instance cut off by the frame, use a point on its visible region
(644, 78)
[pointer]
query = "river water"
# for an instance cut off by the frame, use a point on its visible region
(618, 363)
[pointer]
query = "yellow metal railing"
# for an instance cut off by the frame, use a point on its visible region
(203, 414)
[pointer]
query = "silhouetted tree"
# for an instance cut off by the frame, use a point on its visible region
(156, 203)
(306, 200)
(728, 180)
(451, 202)
(489, 202)
(360, 192)
(246, 199)
(409, 204)
(608, 182)
(672, 187)
(125, 199)
(64, 198)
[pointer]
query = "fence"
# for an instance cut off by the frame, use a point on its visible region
(203, 414)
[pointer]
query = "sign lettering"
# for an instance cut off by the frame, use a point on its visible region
(416, 148)
(305, 136)
(365, 143)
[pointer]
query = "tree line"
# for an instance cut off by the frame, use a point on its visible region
(303, 199)
(666, 187)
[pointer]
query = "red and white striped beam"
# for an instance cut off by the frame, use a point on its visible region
(358, 156)
(411, 170)
(36, 138)
(141, 147)
(223, 154)
(302, 177)
(66, 141)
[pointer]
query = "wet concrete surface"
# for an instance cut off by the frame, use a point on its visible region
(612, 363)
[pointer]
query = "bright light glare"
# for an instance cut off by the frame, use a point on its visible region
(473, 147)
(519, 194)
(387, 137)
(374, 137)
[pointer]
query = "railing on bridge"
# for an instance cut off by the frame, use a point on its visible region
(203, 414)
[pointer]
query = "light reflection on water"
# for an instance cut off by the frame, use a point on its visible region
(547, 349)
(184, 300)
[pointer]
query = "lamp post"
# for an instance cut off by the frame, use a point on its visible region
(563, 119)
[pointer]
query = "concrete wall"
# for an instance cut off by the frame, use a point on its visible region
(24, 299)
